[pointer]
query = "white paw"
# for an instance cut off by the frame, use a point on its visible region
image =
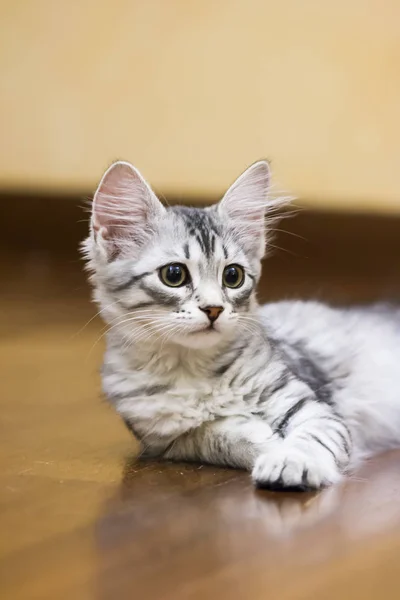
(288, 468)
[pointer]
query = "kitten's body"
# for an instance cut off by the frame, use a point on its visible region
(296, 392)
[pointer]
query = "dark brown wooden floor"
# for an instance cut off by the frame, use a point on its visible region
(81, 519)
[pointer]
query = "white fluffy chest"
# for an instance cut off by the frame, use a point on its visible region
(175, 408)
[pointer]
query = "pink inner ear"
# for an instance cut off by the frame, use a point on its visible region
(246, 203)
(118, 214)
(124, 208)
(117, 197)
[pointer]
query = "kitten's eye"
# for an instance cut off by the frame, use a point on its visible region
(174, 275)
(233, 276)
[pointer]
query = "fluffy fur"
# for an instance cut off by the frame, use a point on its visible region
(295, 392)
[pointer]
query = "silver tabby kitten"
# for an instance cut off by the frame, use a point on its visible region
(295, 392)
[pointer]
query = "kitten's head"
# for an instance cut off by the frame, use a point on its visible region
(177, 274)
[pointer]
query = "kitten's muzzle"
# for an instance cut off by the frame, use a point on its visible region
(212, 312)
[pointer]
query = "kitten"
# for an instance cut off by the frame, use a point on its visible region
(295, 392)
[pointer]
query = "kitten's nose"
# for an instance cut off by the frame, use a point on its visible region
(212, 312)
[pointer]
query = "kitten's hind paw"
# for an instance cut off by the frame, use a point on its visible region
(290, 469)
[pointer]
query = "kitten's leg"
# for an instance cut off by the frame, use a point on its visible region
(230, 441)
(313, 450)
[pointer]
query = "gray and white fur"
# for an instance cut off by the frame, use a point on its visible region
(295, 392)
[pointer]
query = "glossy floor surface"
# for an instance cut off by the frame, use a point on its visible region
(81, 519)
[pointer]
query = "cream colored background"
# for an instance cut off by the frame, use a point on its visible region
(194, 91)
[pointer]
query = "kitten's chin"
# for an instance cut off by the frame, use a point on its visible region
(200, 340)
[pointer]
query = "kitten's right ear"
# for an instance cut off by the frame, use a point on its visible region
(125, 210)
(245, 206)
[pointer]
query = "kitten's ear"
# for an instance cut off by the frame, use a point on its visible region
(245, 205)
(125, 210)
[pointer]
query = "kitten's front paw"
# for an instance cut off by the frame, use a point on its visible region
(290, 469)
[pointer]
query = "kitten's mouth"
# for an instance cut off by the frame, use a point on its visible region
(209, 329)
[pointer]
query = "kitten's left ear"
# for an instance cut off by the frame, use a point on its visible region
(245, 205)
(125, 211)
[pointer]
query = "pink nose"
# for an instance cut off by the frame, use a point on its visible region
(212, 312)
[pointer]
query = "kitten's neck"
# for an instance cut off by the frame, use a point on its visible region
(170, 358)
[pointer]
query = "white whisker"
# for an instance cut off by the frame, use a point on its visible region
(92, 319)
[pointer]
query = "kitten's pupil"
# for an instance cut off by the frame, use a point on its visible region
(174, 274)
(231, 276)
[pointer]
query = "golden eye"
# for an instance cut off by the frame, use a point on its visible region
(233, 276)
(174, 275)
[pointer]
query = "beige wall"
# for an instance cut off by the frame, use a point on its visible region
(194, 91)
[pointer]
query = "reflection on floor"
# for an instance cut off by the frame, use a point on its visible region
(81, 518)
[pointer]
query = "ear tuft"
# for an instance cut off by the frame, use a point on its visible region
(125, 210)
